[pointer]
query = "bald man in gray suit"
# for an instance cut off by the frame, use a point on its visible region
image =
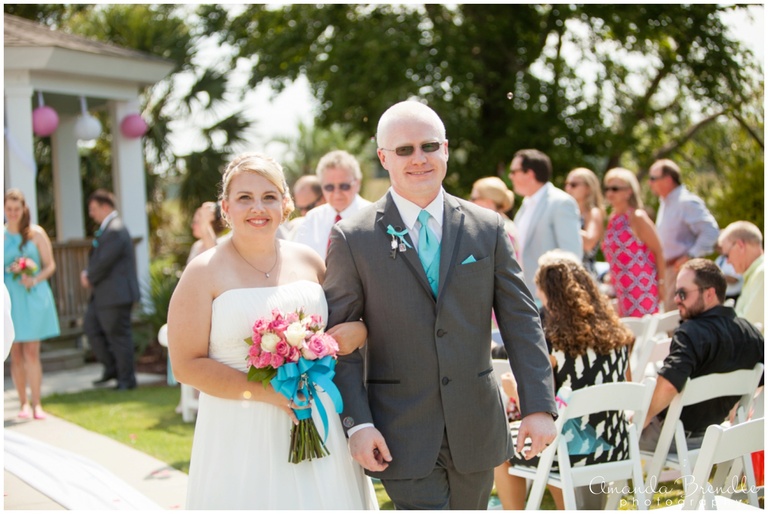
(421, 403)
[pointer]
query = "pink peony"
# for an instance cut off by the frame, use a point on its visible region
(318, 346)
(263, 360)
(293, 354)
(282, 348)
(292, 317)
(277, 361)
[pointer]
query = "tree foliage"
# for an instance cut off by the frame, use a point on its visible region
(594, 85)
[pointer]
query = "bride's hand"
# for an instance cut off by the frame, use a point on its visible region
(286, 405)
(350, 336)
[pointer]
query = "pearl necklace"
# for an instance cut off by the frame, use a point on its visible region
(266, 273)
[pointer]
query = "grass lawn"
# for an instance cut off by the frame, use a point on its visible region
(144, 418)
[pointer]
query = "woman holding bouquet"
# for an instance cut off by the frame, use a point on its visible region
(28, 264)
(243, 431)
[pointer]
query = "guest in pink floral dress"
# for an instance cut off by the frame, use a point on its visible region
(632, 247)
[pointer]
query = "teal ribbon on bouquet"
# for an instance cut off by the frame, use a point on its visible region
(297, 380)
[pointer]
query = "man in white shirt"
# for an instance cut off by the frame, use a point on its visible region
(340, 177)
(686, 227)
(548, 218)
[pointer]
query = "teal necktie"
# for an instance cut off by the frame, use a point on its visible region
(429, 252)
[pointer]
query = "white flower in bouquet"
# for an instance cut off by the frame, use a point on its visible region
(295, 334)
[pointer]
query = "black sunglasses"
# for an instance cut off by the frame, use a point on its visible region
(654, 179)
(405, 151)
(344, 186)
(683, 294)
(614, 189)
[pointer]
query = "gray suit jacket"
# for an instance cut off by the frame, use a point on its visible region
(556, 223)
(426, 369)
(112, 267)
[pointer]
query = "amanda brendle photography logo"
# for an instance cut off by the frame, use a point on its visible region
(686, 482)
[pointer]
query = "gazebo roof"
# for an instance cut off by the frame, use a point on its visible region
(20, 32)
(65, 66)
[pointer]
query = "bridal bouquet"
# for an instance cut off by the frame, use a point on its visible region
(22, 266)
(293, 353)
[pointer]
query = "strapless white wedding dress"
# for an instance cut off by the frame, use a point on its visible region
(240, 448)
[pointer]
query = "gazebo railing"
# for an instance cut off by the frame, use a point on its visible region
(70, 297)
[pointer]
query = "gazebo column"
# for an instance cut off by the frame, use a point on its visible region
(130, 189)
(20, 166)
(67, 186)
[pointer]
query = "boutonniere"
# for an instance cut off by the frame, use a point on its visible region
(394, 245)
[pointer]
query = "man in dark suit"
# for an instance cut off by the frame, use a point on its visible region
(423, 269)
(111, 275)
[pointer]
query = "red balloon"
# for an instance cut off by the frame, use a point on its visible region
(133, 126)
(45, 121)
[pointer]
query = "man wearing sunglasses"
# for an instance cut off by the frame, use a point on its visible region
(548, 219)
(686, 227)
(711, 339)
(340, 179)
(424, 270)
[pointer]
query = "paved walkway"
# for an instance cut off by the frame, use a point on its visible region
(161, 484)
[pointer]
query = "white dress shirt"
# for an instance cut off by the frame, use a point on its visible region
(316, 228)
(409, 211)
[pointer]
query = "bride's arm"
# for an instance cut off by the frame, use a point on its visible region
(350, 336)
(189, 326)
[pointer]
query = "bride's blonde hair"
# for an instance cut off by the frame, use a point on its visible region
(262, 165)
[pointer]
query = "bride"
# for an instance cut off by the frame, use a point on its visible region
(241, 443)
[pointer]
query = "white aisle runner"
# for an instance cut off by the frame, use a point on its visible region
(72, 481)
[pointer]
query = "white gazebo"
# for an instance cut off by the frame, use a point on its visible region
(69, 70)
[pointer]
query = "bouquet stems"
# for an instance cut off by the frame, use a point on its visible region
(306, 443)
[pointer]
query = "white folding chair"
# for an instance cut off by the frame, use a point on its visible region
(726, 447)
(642, 329)
(665, 323)
(741, 383)
(188, 401)
(614, 396)
(647, 362)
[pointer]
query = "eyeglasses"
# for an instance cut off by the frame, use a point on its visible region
(730, 249)
(613, 189)
(517, 170)
(683, 294)
(405, 151)
(344, 186)
(655, 178)
(573, 184)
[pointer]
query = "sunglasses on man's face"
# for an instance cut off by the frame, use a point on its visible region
(683, 294)
(344, 186)
(405, 151)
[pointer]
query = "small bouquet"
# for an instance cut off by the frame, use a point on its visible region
(294, 354)
(22, 266)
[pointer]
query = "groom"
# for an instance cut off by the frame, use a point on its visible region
(424, 269)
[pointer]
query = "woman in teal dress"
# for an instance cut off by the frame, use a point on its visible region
(32, 307)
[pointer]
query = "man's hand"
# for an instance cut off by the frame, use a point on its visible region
(540, 427)
(368, 447)
(84, 280)
(350, 336)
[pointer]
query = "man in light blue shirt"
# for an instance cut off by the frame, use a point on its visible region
(686, 227)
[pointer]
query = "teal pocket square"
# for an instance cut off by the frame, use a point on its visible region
(469, 260)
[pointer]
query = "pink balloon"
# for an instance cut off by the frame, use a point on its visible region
(133, 126)
(45, 121)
